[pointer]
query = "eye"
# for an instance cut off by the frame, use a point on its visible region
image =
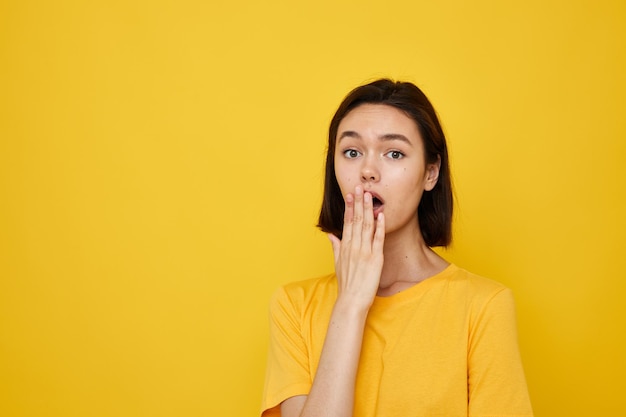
(395, 155)
(351, 153)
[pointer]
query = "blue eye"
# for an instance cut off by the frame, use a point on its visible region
(395, 154)
(351, 153)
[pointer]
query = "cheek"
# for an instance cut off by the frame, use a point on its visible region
(344, 179)
(409, 187)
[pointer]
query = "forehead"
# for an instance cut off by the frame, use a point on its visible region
(378, 120)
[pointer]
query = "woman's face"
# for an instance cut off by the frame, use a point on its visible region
(381, 149)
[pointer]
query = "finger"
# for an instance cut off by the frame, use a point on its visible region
(368, 217)
(379, 234)
(348, 218)
(357, 223)
(336, 244)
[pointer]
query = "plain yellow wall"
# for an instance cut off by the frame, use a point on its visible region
(160, 176)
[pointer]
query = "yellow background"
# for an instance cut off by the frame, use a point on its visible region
(161, 168)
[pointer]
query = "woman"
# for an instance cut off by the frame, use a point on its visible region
(396, 330)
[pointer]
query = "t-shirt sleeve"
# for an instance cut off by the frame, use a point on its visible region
(497, 385)
(288, 371)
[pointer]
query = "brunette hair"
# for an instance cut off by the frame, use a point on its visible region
(435, 208)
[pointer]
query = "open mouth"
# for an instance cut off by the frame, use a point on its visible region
(377, 205)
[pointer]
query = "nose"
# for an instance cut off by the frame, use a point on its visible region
(369, 170)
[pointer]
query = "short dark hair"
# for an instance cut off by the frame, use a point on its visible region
(435, 208)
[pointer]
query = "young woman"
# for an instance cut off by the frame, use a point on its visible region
(396, 330)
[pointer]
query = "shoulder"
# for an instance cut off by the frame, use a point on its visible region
(487, 301)
(473, 284)
(478, 293)
(300, 294)
(299, 290)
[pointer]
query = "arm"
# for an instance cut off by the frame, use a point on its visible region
(358, 264)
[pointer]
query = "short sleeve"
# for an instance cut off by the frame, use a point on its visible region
(496, 381)
(288, 371)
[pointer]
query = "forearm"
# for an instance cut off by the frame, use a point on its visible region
(332, 393)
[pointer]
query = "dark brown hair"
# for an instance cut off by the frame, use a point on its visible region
(435, 208)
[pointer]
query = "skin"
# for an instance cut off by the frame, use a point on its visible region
(379, 151)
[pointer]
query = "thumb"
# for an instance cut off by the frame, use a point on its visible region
(336, 243)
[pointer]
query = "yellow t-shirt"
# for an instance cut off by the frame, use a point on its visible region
(444, 347)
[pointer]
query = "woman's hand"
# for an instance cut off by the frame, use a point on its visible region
(359, 254)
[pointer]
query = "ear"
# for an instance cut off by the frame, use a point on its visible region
(432, 174)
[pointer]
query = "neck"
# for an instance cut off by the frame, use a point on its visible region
(408, 260)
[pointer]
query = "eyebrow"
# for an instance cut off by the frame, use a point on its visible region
(385, 137)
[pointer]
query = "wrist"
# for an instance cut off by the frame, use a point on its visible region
(351, 308)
